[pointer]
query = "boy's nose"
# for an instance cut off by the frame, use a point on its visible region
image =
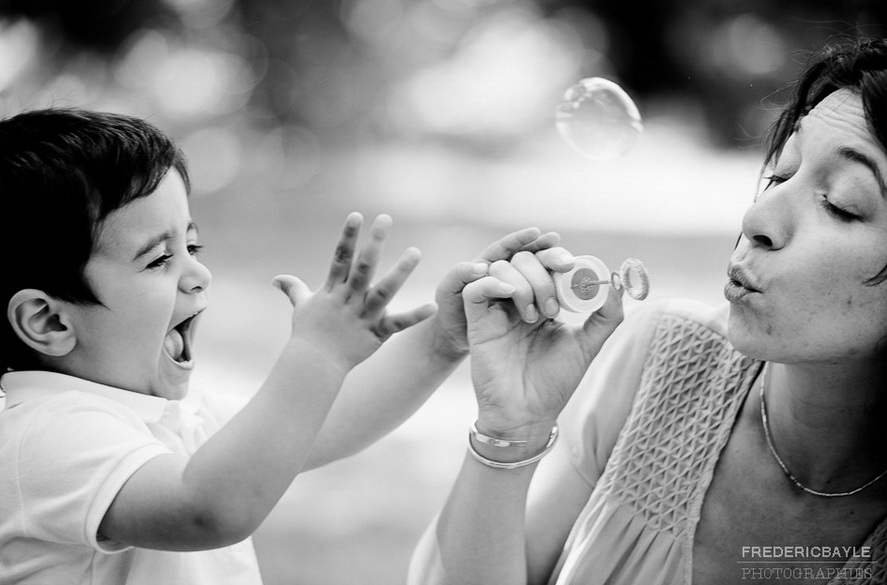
(196, 278)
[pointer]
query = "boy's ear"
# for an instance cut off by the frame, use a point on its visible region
(41, 323)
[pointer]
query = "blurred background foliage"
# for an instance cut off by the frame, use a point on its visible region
(440, 112)
(253, 76)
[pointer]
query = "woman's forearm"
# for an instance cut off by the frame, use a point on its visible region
(480, 536)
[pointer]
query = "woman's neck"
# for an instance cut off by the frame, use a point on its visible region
(829, 423)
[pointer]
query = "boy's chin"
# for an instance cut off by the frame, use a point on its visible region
(172, 385)
(173, 392)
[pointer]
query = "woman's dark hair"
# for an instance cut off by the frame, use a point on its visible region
(859, 65)
(62, 171)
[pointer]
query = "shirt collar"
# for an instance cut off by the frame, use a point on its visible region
(27, 385)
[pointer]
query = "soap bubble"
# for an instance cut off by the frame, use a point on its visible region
(598, 119)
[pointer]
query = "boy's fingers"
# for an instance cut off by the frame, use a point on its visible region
(540, 281)
(382, 292)
(363, 268)
(292, 287)
(543, 242)
(506, 247)
(391, 324)
(523, 298)
(344, 250)
(463, 273)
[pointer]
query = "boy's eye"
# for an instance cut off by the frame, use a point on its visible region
(194, 249)
(162, 260)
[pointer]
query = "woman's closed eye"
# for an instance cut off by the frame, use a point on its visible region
(835, 210)
(774, 179)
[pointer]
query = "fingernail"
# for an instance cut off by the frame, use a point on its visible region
(530, 314)
(566, 258)
(551, 307)
(479, 269)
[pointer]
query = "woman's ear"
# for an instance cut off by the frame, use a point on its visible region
(41, 322)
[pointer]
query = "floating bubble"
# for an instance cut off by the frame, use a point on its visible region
(598, 119)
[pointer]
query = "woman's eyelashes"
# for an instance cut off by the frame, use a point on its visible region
(837, 211)
(773, 179)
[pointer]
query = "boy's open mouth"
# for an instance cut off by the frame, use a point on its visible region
(177, 342)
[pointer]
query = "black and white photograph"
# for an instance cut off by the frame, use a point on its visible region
(443, 292)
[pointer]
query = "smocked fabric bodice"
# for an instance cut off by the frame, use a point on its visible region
(638, 525)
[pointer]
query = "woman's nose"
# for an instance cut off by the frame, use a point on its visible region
(767, 223)
(196, 277)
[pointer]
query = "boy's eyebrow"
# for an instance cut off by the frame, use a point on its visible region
(159, 239)
(853, 155)
(153, 243)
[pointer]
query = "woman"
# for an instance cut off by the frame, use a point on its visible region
(704, 446)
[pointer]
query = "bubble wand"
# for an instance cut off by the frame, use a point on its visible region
(599, 119)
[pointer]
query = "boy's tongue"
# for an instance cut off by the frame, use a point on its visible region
(174, 344)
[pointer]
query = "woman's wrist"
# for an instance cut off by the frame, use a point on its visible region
(510, 453)
(523, 428)
(524, 440)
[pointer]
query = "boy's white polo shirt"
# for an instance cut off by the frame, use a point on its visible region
(67, 446)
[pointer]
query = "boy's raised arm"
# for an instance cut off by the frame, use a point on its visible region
(222, 493)
(384, 390)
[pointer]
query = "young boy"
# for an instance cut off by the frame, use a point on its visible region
(102, 448)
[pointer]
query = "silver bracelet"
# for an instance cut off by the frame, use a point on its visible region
(552, 439)
(492, 441)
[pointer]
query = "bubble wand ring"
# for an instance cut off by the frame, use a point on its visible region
(583, 288)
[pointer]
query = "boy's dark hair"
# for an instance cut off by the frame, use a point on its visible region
(857, 64)
(62, 171)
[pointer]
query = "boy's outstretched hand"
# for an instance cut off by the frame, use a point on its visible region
(346, 318)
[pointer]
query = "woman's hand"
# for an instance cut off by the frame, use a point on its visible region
(346, 318)
(450, 317)
(525, 372)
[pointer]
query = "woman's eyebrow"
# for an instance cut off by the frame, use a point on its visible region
(855, 156)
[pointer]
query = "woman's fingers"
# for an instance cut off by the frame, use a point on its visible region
(523, 298)
(378, 297)
(477, 295)
(556, 259)
(601, 323)
(344, 253)
(540, 282)
(486, 289)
